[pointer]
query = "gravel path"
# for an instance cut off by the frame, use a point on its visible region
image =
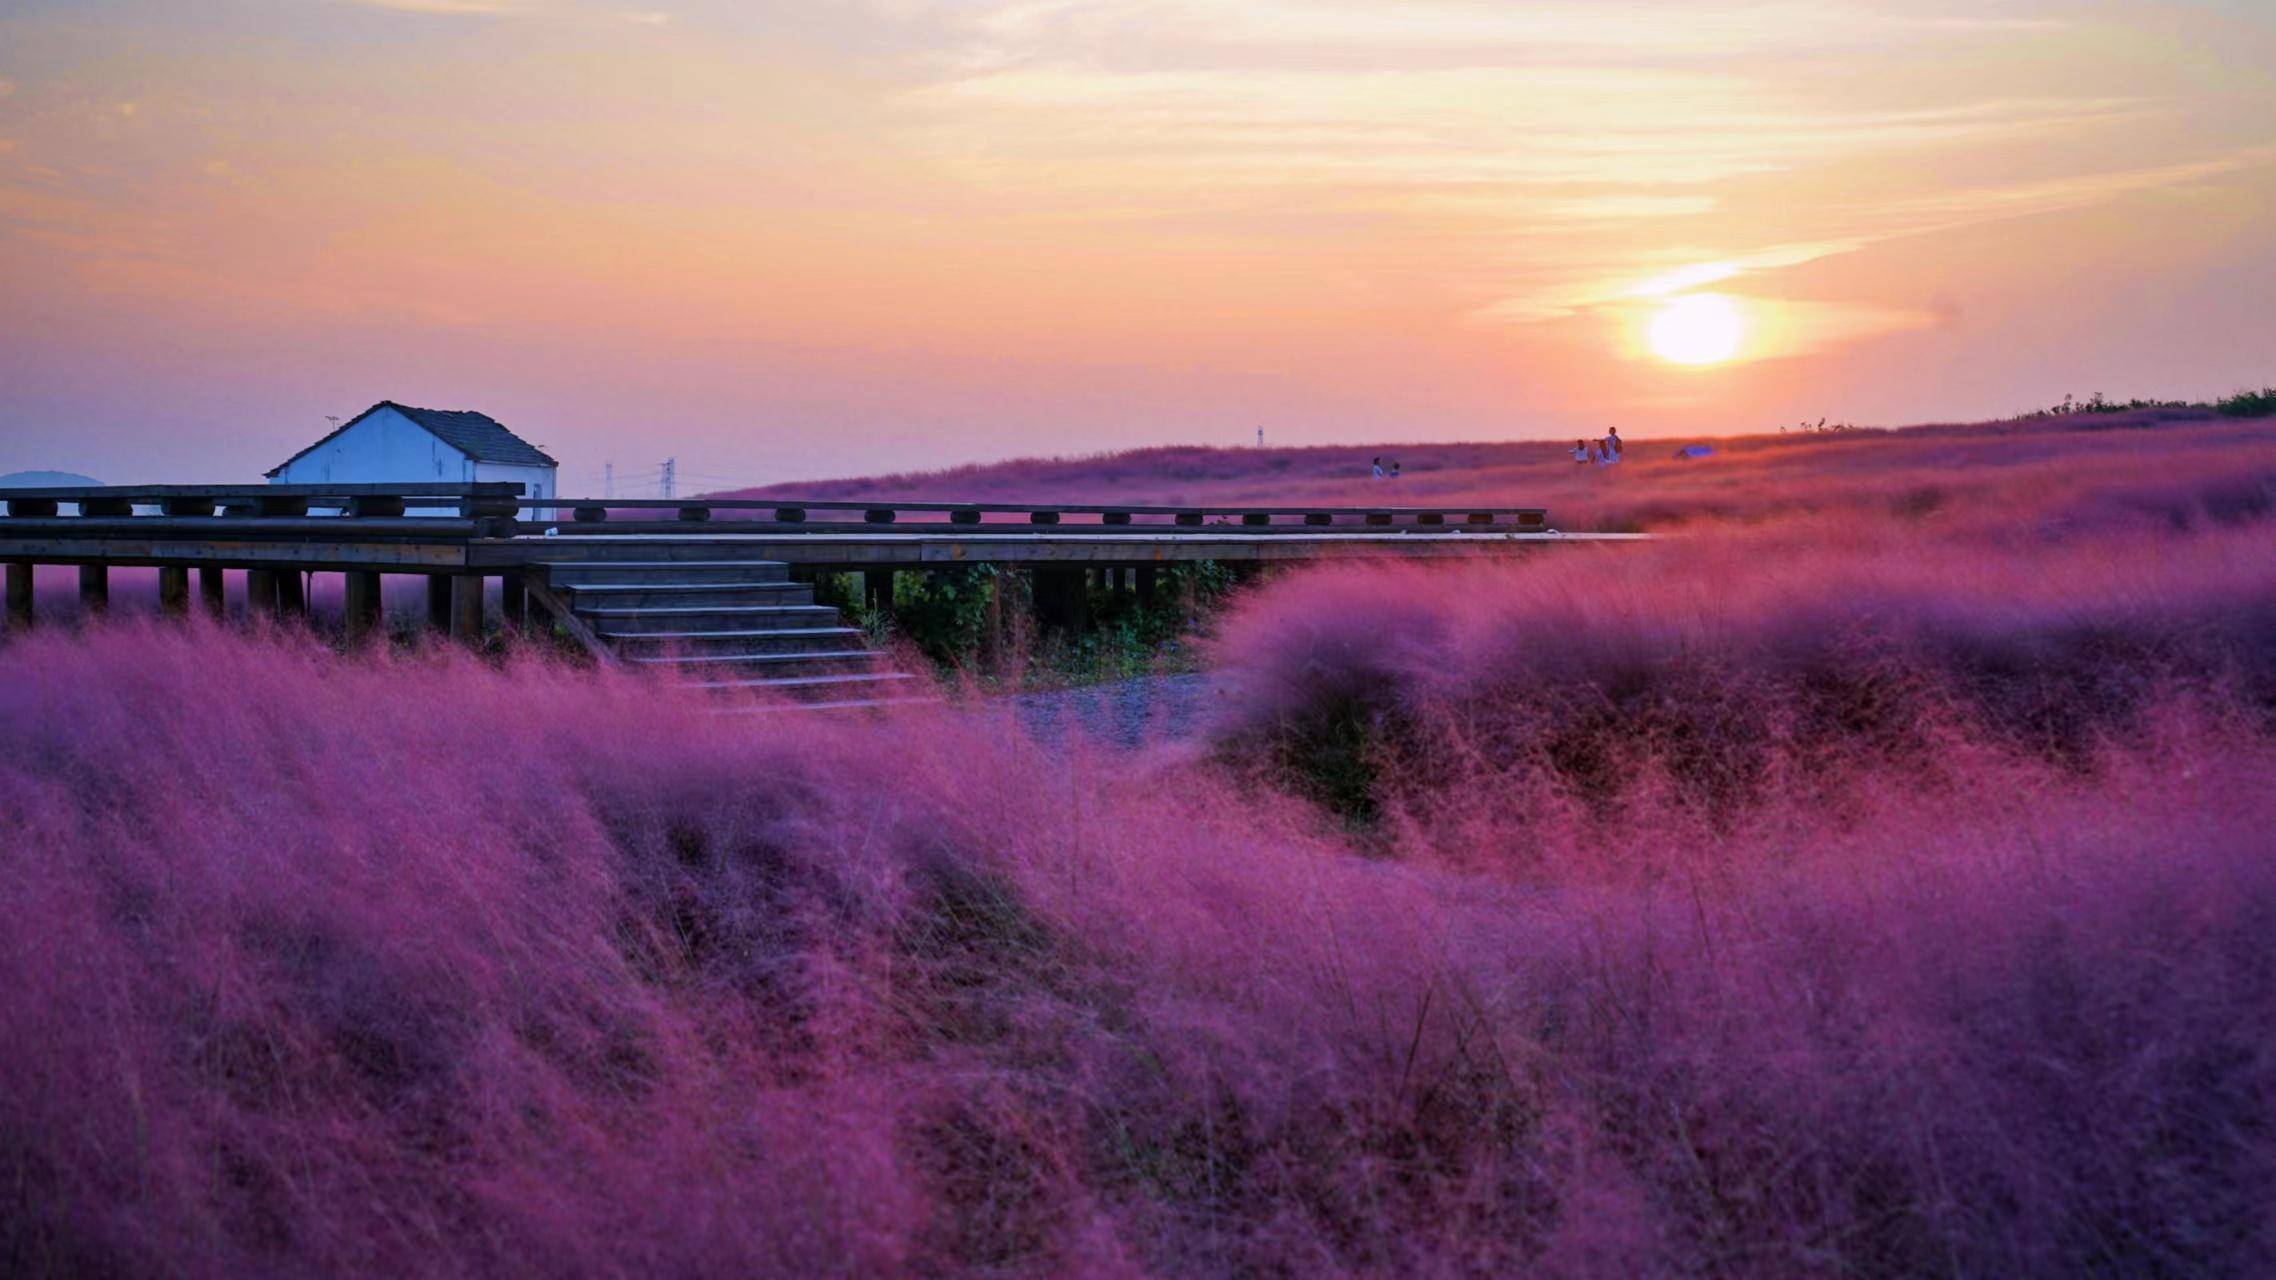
(1126, 713)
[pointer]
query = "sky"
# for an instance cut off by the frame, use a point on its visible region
(782, 240)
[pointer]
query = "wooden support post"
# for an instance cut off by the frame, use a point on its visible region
(1062, 598)
(361, 601)
(209, 589)
(19, 596)
(438, 602)
(512, 600)
(95, 588)
(174, 590)
(877, 590)
(993, 637)
(292, 594)
(261, 593)
(1146, 583)
(466, 608)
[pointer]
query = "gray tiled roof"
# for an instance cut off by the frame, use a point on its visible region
(477, 435)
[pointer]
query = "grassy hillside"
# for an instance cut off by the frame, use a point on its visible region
(1873, 879)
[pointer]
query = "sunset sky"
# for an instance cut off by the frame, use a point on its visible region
(782, 240)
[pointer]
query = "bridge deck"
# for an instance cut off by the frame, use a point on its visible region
(691, 592)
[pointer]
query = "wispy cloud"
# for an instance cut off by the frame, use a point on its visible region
(1593, 153)
(466, 8)
(1474, 31)
(1620, 127)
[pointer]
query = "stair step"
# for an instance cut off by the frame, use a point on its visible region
(701, 619)
(675, 571)
(755, 659)
(728, 623)
(791, 639)
(585, 596)
(833, 704)
(787, 684)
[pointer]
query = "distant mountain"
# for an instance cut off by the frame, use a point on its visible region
(44, 480)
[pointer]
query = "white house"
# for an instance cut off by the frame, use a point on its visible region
(395, 442)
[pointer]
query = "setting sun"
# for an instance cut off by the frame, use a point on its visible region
(1701, 328)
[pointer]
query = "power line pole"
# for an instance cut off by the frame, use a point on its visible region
(608, 479)
(670, 465)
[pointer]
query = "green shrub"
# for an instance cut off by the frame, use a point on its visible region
(2248, 404)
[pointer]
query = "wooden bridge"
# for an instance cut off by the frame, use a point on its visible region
(721, 589)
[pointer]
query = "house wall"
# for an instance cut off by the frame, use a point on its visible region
(384, 446)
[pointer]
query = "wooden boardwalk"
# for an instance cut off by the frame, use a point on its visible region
(720, 590)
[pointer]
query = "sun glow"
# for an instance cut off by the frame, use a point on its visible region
(1698, 328)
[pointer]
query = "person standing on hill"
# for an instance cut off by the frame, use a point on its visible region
(1378, 467)
(1612, 442)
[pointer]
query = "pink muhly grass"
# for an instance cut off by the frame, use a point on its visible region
(1720, 671)
(427, 965)
(1879, 887)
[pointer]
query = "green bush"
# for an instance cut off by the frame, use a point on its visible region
(971, 619)
(2248, 404)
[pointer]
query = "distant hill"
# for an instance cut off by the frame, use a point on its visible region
(1924, 469)
(44, 480)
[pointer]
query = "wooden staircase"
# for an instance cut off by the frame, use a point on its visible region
(726, 625)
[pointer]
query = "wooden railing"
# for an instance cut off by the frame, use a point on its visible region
(798, 515)
(268, 501)
(457, 534)
(500, 509)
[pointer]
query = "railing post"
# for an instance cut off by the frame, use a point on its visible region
(95, 588)
(210, 589)
(466, 608)
(19, 595)
(174, 590)
(361, 601)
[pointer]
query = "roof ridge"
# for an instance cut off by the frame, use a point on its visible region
(470, 431)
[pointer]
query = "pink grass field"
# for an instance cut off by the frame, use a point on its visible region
(1872, 877)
